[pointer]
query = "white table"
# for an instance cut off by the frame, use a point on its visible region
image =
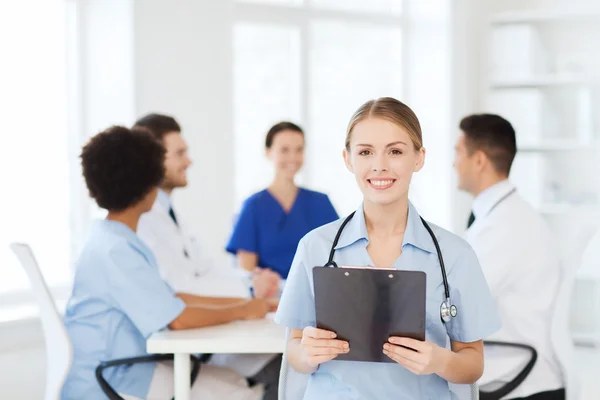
(239, 337)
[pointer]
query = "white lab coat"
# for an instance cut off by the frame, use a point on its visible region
(522, 267)
(195, 274)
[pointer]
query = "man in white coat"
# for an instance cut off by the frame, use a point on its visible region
(517, 254)
(181, 261)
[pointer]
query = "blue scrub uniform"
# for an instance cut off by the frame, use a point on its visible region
(476, 319)
(264, 228)
(118, 301)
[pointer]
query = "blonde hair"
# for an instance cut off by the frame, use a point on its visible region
(391, 110)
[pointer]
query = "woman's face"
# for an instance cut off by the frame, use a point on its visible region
(382, 158)
(287, 153)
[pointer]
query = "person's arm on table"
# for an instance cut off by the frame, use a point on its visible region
(207, 311)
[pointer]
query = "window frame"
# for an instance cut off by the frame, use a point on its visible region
(300, 17)
(79, 213)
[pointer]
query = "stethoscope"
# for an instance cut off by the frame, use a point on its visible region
(447, 310)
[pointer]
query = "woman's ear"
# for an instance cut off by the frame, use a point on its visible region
(347, 160)
(420, 159)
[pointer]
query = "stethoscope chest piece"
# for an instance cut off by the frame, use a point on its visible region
(447, 311)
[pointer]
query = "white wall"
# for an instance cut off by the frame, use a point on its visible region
(22, 361)
(183, 67)
(22, 374)
(467, 41)
(429, 92)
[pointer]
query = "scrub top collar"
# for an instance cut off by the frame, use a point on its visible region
(416, 234)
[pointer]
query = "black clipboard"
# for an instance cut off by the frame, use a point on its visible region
(365, 306)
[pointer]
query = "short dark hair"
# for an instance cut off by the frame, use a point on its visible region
(158, 124)
(493, 135)
(121, 166)
(280, 127)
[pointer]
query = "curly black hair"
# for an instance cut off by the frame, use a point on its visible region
(121, 166)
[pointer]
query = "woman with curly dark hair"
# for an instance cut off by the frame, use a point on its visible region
(119, 298)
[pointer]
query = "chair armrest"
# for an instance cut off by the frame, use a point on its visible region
(113, 395)
(512, 385)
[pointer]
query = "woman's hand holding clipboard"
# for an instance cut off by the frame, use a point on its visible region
(419, 357)
(319, 346)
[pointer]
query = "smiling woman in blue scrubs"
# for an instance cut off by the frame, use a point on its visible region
(383, 149)
(119, 299)
(272, 221)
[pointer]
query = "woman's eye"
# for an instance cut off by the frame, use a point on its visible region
(364, 153)
(396, 152)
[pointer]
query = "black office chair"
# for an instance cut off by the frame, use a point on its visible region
(111, 394)
(492, 391)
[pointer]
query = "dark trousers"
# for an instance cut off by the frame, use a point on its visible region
(553, 395)
(269, 377)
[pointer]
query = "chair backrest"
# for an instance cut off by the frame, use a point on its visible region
(292, 384)
(59, 352)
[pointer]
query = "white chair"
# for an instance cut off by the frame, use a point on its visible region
(585, 302)
(293, 384)
(562, 339)
(59, 352)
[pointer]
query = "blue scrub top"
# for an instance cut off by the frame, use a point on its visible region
(118, 301)
(264, 228)
(476, 319)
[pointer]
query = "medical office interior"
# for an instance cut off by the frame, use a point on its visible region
(227, 70)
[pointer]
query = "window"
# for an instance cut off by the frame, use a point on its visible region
(314, 63)
(266, 79)
(349, 63)
(367, 6)
(35, 159)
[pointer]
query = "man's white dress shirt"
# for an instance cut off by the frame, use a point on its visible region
(183, 266)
